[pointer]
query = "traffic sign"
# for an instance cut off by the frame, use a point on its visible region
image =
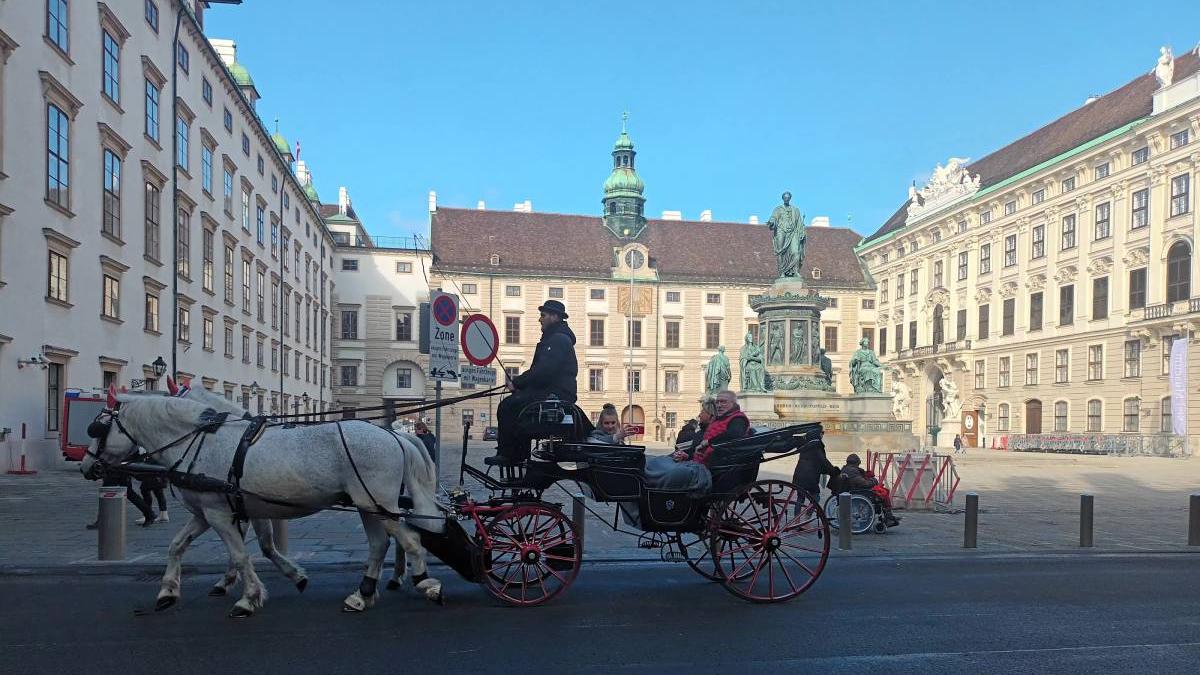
(480, 341)
(443, 336)
(477, 375)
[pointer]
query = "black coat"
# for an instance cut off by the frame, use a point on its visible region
(554, 368)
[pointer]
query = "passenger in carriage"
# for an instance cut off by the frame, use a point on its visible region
(729, 424)
(854, 477)
(610, 430)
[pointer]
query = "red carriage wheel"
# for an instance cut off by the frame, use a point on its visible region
(530, 554)
(769, 543)
(696, 548)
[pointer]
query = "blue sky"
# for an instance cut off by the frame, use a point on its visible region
(843, 103)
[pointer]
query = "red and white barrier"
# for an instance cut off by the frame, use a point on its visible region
(22, 471)
(916, 480)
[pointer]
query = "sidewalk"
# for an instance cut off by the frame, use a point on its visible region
(1028, 503)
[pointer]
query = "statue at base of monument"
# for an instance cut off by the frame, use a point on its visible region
(826, 367)
(789, 237)
(717, 373)
(754, 373)
(866, 372)
(951, 403)
(901, 397)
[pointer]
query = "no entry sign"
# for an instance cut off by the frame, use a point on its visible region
(480, 341)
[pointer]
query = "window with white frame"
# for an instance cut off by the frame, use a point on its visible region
(1010, 250)
(671, 382)
(985, 258)
(633, 380)
(58, 168)
(1140, 217)
(349, 376)
(1179, 139)
(182, 131)
(404, 332)
(1095, 412)
(206, 265)
(1180, 190)
(151, 125)
(963, 259)
(54, 393)
(403, 267)
(57, 279)
(1103, 229)
(512, 291)
(985, 217)
(150, 321)
(111, 307)
(1095, 362)
(1101, 171)
(1141, 155)
(1068, 232)
(1133, 358)
(712, 298)
(1165, 424)
(111, 207)
(1039, 196)
(1060, 415)
(1068, 184)
(1130, 417)
(1031, 368)
(110, 76)
(980, 373)
(1062, 367)
(1010, 207)
(1002, 418)
(595, 379)
(206, 168)
(185, 323)
(1038, 248)
(598, 294)
(58, 27)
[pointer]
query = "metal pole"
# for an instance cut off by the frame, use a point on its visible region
(1194, 520)
(971, 530)
(629, 367)
(111, 523)
(578, 518)
(844, 531)
(179, 12)
(437, 431)
(1086, 502)
(279, 535)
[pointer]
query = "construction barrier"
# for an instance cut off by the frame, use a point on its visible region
(917, 480)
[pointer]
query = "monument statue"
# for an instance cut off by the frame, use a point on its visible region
(799, 349)
(717, 374)
(866, 375)
(787, 226)
(775, 342)
(951, 403)
(901, 397)
(1164, 70)
(754, 372)
(826, 367)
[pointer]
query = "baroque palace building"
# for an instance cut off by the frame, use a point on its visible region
(650, 300)
(1047, 280)
(146, 213)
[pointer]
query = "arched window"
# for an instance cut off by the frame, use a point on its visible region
(1095, 410)
(1179, 272)
(1060, 415)
(1003, 417)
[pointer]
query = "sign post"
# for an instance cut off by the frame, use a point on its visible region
(443, 352)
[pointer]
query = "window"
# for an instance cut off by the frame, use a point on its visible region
(206, 91)
(937, 274)
(403, 267)
(962, 226)
(274, 303)
(227, 120)
(1094, 410)
(1179, 139)
(899, 337)
(110, 77)
(1062, 366)
(633, 380)
(1141, 209)
(152, 95)
(1039, 196)
(245, 145)
(57, 30)
(1066, 305)
(554, 292)
(1133, 358)
(404, 378)
(912, 282)
(185, 324)
(1180, 188)
(262, 282)
(1103, 221)
(1099, 298)
(229, 274)
(229, 345)
(712, 335)
(595, 379)
(899, 285)
(1010, 250)
(883, 292)
(671, 382)
(54, 382)
(258, 354)
(349, 324)
(1010, 208)
(868, 303)
(882, 341)
(1005, 371)
(1165, 425)
(349, 264)
(111, 306)
(1101, 171)
(1068, 232)
(512, 330)
(151, 309)
(111, 223)
(246, 210)
(1060, 413)
(1031, 368)
(512, 291)
(980, 373)
(1035, 311)
(633, 333)
(962, 265)
(673, 296)
(1130, 416)
(206, 266)
(206, 160)
(1137, 288)
(470, 289)
(181, 136)
(404, 324)
(984, 320)
(58, 141)
(184, 59)
(672, 420)
(1008, 316)
(260, 224)
(961, 325)
(183, 244)
(261, 167)
(712, 298)
(1166, 353)
(274, 237)
(598, 294)
(985, 258)
(985, 217)
(912, 334)
(349, 376)
(152, 15)
(1003, 417)
(1038, 249)
(831, 339)
(227, 191)
(672, 335)
(596, 333)
(1141, 155)
(1096, 362)
(1179, 272)
(1068, 184)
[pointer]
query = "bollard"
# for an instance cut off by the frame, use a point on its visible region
(1086, 502)
(110, 521)
(844, 522)
(578, 519)
(971, 530)
(1194, 520)
(279, 535)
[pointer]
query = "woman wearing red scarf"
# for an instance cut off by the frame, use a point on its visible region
(730, 424)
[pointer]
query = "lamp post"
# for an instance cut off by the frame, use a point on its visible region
(634, 259)
(157, 368)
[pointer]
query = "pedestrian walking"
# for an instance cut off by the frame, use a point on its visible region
(151, 488)
(959, 448)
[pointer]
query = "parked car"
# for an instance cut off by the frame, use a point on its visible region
(489, 433)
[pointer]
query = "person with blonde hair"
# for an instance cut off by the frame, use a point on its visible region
(609, 430)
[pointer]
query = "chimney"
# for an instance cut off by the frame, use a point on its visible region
(753, 220)
(523, 207)
(480, 205)
(819, 221)
(302, 173)
(198, 10)
(672, 215)
(706, 216)
(433, 201)
(343, 200)
(226, 49)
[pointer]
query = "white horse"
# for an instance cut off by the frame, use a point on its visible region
(289, 473)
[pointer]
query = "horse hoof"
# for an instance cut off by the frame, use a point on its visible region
(165, 602)
(440, 600)
(393, 585)
(216, 591)
(302, 584)
(240, 613)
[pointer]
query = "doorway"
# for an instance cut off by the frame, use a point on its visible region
(1033, 416)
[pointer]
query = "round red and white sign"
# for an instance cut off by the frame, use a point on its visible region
(480, 341)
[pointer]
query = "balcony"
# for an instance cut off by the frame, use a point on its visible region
(933, 350)
(1169, 309)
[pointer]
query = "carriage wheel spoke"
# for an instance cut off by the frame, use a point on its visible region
(783, 568)
(805, 567)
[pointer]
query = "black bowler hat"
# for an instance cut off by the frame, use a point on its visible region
(554, 306)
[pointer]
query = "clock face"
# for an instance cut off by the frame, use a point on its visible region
(969, 422)
(634, 259)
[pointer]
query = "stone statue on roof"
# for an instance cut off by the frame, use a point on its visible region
(1164, 70)
(787, 226)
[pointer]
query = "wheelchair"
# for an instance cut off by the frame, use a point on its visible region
(866, 512)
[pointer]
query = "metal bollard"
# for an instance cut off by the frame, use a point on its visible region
(1086, 502)
(971, 529)
(844, 531)
(110, 521)
(279, 535)
(578, 518)
(1194, 520)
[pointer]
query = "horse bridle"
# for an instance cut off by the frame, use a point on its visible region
(99, 429)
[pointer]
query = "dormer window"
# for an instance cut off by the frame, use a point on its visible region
(494, 260)
(816, 273)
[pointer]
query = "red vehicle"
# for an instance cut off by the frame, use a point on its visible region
(78, 410)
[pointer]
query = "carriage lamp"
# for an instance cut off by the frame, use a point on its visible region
(254, 387)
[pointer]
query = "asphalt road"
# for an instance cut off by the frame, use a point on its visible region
(1070, 614)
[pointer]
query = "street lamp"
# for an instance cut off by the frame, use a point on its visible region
(157, 368)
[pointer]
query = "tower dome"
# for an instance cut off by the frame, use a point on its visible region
(623, 200)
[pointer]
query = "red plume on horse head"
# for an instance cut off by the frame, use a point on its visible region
(172, 388)
(112, 397)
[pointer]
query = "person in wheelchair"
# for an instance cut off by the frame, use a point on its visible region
(854, 477)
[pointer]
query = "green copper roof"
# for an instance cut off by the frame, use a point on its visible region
(281, 143)
(624, 142)
(623, 182)
(310, 191)
(339, 218)
(241, 75)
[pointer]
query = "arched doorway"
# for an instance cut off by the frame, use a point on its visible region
(634, 415)
(938, 332)
(1179, 272)
(1033, 416)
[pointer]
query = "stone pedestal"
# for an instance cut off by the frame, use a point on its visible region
(853, 423)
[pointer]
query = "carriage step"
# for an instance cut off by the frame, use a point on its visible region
(672, 556)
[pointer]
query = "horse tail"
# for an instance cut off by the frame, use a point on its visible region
(420, 478)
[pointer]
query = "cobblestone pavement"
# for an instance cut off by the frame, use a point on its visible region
(1028, 503)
